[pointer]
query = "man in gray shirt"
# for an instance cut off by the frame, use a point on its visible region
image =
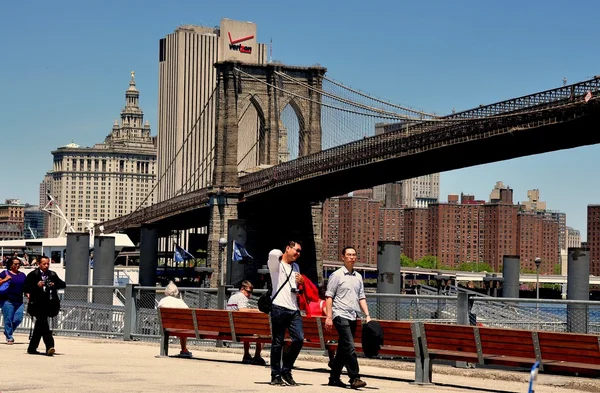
(344, 297)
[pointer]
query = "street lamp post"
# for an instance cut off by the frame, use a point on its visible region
(222, 247)
(538, 262)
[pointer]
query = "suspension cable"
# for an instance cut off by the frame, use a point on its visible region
(379, 100)
(344, 100)
(128, 216)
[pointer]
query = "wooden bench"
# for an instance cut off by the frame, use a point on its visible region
(423, 342)
(557, 352)
(235, 326)
(401, 338)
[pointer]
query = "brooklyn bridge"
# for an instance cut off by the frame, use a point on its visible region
(286, 138)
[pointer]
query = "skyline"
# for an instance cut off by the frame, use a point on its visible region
(70, 66)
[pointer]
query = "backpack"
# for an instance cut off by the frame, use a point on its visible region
(372, 338)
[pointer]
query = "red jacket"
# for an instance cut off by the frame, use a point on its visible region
(308, 293)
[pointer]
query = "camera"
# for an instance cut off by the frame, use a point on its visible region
(295, 290)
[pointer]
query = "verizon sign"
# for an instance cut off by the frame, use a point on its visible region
(236, 45)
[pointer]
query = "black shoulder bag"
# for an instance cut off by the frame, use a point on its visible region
(265, 302)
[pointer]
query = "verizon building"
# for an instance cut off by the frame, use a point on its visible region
(187, 79)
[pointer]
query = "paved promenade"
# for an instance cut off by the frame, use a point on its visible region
(97, 365)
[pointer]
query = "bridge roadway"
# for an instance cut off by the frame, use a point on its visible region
(465, 276)
(479, 276)
(107, 366)
(542, 122)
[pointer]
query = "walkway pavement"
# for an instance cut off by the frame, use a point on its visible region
(98, 365)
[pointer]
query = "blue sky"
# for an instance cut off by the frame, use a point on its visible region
(65, 66)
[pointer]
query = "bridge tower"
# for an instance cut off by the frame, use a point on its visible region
(246, 143)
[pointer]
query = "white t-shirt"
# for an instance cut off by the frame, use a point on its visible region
(172, 302)
(237, 301)
(279, 272)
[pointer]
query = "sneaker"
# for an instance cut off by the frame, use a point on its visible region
(336, 382)
(10, 341)
(185, 354)
(276, 380)
(247, 359)
(288, 380)
(258, 361)
(357, 383)
(50, 351)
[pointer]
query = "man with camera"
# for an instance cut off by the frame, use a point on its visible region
(41, 286)
(285, 314)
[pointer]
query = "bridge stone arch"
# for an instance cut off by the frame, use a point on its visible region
(240, 85)
(303, 136)
(251, 135)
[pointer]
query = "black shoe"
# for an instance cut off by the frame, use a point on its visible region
(357, 383)
(288, 380)
(276, 380)
(33, 352)
(337, 382)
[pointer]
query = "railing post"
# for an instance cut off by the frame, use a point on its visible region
(130, 312)
(221, 304)
(462, 318)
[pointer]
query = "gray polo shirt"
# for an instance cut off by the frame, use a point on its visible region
(346, 289)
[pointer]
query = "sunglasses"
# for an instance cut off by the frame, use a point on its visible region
(248, 290)
(298, 250)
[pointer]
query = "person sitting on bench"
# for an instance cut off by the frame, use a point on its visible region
(171, 300)
(239, 302)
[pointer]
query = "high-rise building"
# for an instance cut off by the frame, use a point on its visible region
(537, 238)
(416, 192)
(501, 194)
(45, 189)
(379, 193)
(500, 235)
(331, 225)
(573, 238)
(533, 202)
(421, 191)
(186, 113)
(33, 222)
(454, 233)
(593, 238)
(110, 179)
(391, 225)
(416, 233)
(12, 213)
(359, 227)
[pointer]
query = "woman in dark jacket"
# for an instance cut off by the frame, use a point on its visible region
(41, 288)
(11, 302)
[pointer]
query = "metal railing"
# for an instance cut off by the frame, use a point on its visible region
(130, 312)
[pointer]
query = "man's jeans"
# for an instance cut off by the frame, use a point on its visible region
(13, 316)
(282, 319)
(346, 354)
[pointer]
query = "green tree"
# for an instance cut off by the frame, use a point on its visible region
(557, 269)
(406, 261)
(475, 267)
(428, 262)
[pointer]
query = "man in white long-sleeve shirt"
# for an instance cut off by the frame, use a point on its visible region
(285, 314)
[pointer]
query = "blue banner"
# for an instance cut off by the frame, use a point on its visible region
(182, 255)
(239, 253)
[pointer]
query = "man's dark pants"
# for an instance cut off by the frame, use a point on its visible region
(41, 329)
(282, 319)
(345, 354)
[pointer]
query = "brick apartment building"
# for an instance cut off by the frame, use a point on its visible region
(416, 225)
(454, 233)
(469, 231)
(351, 220)
(593, 238)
